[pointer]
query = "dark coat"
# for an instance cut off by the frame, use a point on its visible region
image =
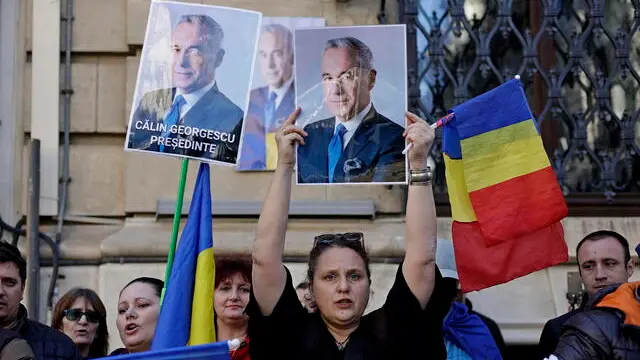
(374, 153)
(47, 343)
(552, 331)
(608, 328)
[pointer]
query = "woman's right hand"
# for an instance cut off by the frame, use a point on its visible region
(287, 137)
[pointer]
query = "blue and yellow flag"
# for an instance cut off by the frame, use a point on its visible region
(186, 316)
(214, 351)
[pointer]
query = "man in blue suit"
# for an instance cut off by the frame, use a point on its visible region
(269, 105)
(194, 118)
(357, 144)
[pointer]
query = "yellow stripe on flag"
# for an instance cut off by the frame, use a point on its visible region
(271, 151)
(485, 142)
(490, 159)
(461, 209)
(202, 327)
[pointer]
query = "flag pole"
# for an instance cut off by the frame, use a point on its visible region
(176, 226)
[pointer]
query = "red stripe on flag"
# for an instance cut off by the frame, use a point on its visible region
(518, 206)
(480, 266)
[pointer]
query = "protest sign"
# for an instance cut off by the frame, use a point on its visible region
(192, 88)
(351, 83)
(272, 99)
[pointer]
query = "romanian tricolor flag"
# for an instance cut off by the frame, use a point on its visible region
(186, 315)
(505, 200)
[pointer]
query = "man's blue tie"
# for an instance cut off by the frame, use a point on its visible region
(270, 113)
(335, 149)
(172, 117)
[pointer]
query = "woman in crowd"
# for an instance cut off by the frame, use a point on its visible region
(81, 315)
(231, 296)
(409, 324)
(138, 310)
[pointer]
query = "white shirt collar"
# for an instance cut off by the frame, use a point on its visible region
(193, 97)
(352, 124)
(281, 91)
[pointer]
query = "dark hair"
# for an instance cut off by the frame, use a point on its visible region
(449, 290)
(226, 267)
(341, 243)
(213, 33)
(10, 253)
(303, 285)
(363, 54)
(603, 234)
(157, 284)
(100, 345)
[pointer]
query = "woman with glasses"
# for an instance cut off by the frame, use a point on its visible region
(138, 311)
(231, 296)
(81, 315)
(409, 324)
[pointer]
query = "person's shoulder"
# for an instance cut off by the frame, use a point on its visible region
(560, 320)
(159, 98)
(386, 124)
(319, 125)
(606, 320)
(223, 103)
(45, 332)
(51, 340)
(258, 93)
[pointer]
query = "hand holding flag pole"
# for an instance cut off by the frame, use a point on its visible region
(435, 125)
(441, 122)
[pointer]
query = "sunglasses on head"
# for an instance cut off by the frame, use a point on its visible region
(76, 314)
(328, 239)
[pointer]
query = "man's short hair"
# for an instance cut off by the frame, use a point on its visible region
(603, 234)
(284, 33)
(10, 253)
(303, 285)
(212, 31)
(364, 56)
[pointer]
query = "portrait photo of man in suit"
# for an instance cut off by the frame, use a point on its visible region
(192, 118)
(357, 144)
(271, 104)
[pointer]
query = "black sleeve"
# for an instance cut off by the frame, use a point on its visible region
(548, 340)
(406, 321)
(582, 338)
(268, 334)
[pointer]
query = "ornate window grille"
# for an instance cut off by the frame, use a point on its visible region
(580, 63)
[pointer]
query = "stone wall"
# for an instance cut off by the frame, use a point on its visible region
(119, 191)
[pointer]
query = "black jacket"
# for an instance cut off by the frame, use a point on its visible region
(551, 333)
(600, 331)
(47, 343)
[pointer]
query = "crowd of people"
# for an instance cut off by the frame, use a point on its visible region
(425, 315)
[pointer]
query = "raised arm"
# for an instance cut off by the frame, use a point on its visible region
(268, 272)
(418, 267)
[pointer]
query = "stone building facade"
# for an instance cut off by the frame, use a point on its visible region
(115, 228)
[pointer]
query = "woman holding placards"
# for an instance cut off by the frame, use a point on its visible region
(408, 325)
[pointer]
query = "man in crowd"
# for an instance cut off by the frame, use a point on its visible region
(604, 259)
(271, 104)
(607, 328)
(45, 342)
